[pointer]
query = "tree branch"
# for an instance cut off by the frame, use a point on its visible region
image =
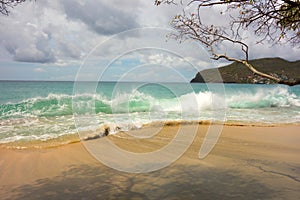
(5, 5)
(269, 19)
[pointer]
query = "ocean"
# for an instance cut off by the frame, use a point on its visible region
(39, 110)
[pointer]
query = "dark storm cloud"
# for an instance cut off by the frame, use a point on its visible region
(100, 17)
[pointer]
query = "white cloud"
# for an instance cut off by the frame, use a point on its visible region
(25, 42)
(168, 60)
(153, 73)
(39, 69)
(63, 32)
(40, 32)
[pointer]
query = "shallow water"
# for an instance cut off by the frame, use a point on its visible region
(45, 110)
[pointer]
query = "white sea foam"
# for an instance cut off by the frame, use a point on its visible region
(51, 116)
(274, 97)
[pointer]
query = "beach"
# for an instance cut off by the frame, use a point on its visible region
(119, 100)
(248, 162)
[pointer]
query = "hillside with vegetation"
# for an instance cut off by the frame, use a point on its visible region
(238, 73)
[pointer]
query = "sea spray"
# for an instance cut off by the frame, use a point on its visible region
(263, 98)
(42, 115)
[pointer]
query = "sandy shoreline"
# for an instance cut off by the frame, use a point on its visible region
(247, 163)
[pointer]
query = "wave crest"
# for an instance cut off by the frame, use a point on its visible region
(61, 104)
(263, 98)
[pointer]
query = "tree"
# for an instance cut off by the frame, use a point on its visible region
(5, 5)
(275, 21)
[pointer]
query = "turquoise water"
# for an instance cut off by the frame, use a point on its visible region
(44, 110)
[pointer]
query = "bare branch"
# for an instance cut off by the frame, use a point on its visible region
(268, 20)
(5, 5)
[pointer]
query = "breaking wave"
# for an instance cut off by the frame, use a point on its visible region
(43, 118)
(61, 104)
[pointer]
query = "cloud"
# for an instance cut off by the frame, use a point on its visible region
(63, 32)
(41, 33)
(39, 69)
(153, 73)
(24, 40)
(169, 60)
(100, 17)
(33, 54)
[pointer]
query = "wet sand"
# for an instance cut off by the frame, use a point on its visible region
(248, 162)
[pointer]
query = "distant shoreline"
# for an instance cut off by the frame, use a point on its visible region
(238, 73)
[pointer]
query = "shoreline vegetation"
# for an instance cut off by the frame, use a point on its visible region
(248, 162)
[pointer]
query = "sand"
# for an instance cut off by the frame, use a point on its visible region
(247, 162)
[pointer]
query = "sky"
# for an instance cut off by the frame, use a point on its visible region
(116, 40)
